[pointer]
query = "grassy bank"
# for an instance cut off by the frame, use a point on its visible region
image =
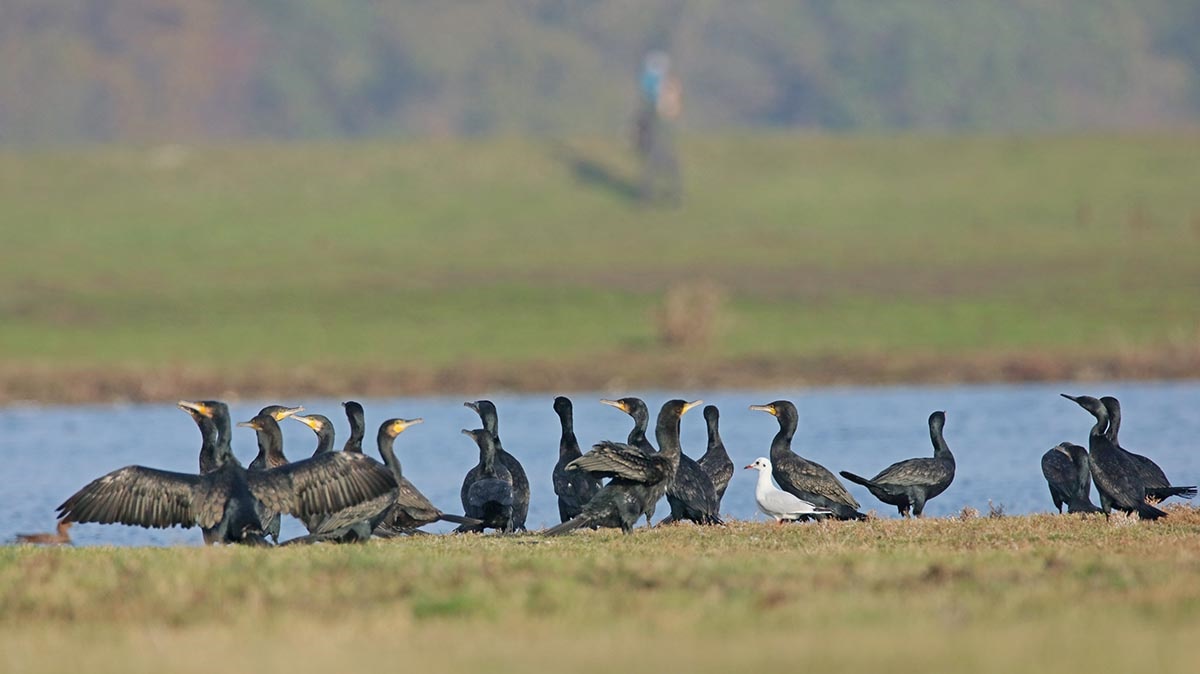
(1038, 594)
(474, 263)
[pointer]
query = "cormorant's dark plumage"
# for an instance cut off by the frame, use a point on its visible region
(489, 497)
(1113, 472)
(1158, 487)
(910, 483)
(410, 509)
(1069, 474)
(358, 427)
(804, 479)
(636, 408)
(716, 462)
(270, 455)
(225, 500)
(323, 427)
(639, 478)
(574, 488)
(520, 482)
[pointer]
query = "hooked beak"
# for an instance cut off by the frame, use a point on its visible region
(247, 424)
(198, 408)
(286, 412)
(307, 421)
(688, 406)
(769, 409)
(473, 406)
(615, 403)
(401, 425)
(466, 432)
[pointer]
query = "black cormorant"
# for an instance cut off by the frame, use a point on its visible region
(716, 461)
(225, 499)
(489, 497)
(1158, 487)
(323, 427)
(639, 478)
(1113, 472)
(910, 483)
(214, 451)
(270, 455)
(574, 488)
(410, 509)
(1069, 475)
(807, 480)
(636, 408)
(520, 482)
(358, 426)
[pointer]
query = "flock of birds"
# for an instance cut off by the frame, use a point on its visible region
(348, 496)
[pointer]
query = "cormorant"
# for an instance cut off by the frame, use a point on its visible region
(716, 461)
(358, 427)
(520, 482)
(1113, 472)
(323, 427)
(639, 478)
(61, 537)
(270, 455)
(804, 479)
(1069, 475)
(489, 497)
(224, 501)
(410, 509)
(573, 488)
(636, 408)
(1158, 487)
(214, 450)
(910, 483)
(776, 502)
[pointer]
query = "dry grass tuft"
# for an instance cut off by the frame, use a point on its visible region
(690, 314)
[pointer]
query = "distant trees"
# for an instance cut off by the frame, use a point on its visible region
(149, 70)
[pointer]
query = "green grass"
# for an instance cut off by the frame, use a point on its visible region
(1036, 594)
(440, 252)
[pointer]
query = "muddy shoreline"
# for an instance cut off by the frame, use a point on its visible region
(53, 384)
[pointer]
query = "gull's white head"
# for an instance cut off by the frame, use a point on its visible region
(760, 464)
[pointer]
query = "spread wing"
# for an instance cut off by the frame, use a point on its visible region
(618, 460)
(795, 474)
(148, 497)
(323, 484)
(364, 511)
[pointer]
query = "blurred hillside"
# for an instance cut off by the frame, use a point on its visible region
(151, 70)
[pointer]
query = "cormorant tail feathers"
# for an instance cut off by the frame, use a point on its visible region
(1161, 493)
(856, 479)
(568, 526)
(460, 519)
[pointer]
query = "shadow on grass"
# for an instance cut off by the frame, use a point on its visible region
(595, 174)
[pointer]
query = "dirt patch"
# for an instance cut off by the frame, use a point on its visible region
(604, 372)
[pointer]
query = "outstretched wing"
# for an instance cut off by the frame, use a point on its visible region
(147, 497)
(618, 460)
(326, 483)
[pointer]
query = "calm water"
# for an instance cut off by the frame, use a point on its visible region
(998, 434)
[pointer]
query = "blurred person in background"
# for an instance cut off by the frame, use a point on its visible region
(661, 104)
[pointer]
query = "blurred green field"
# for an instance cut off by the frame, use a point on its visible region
(438, 253)
(1031, 594)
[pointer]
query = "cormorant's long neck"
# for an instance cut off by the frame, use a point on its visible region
(210, 457)
(641, 422)
(324, 440)
(223, 451)
(940, 449)
(666, 431)
(1097, 436)
(714, 438)
(385, 441)
(1114, 425)
(491, 424)
(568, 445)
(270, 444)
(357, 431)
(782, 444)
(487, 455)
